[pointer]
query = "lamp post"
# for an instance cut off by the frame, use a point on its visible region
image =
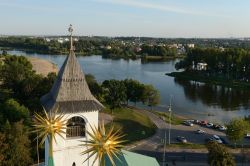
(170, 113)
(164, 148)
(169, 132)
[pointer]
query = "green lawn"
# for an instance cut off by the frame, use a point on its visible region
(135, 125)
(175, 120)
(187, 146)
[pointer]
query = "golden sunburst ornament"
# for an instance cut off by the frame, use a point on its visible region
(102, 143)
(48, 127)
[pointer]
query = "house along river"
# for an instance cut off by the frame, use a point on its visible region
(191, 99)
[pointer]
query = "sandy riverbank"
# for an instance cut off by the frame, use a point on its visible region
(42, 66)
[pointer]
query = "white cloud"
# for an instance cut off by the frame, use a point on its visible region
(166, 8)
(18, 5)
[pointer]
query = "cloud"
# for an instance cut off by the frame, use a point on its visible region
(27, 7)
(166, 8)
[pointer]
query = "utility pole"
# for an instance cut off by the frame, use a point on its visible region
(165, 133)
(170, 114)
(164, 148)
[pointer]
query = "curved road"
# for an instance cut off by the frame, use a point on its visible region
(154, 146)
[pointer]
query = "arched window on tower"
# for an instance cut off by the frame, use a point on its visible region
(75, 127)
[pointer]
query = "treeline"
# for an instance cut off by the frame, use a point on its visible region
(112, 48)
(116, 93)
(20, 92)
(38, 45)
(121, 92)
(227, 63)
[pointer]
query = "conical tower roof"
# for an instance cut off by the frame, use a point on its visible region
(70, 92)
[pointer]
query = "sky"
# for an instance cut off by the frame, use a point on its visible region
(150, 18)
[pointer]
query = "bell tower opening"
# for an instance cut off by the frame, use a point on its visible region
(75, 127)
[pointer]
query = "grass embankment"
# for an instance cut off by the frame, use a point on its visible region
(160, 58)
(175, 120)
(187, 146)
(135, 125)
(202, 77)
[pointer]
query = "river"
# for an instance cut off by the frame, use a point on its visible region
(191, 99)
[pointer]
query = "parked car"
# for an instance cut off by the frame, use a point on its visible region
(199, 131)
(203, 123)
(188, 123)
(216, 126)
(209, 125)
(222, 128)
(197, 121)
(217, 139)
(181, 139)
(248, 135)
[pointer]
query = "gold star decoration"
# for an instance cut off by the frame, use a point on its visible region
(50, 125)
(102, 143)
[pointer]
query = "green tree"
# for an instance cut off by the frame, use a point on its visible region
(218, 155)
(18, 151)
(134, 90)
(94, 87)
(236, 130)
(3, 147)
(14, 70)
(22, 83)
(151, 96)
(14, 112)
(115, 93)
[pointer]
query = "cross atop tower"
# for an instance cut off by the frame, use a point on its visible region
(71, 39)
(70, 94)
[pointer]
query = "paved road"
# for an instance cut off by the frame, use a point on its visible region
(188, 132)
(153, 142)
(154, 145)
(188, 158)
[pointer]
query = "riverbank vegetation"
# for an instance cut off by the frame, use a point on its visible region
(20, 92)
(107, 47)
(228, 67)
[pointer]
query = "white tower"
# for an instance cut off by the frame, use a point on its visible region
(71, 95)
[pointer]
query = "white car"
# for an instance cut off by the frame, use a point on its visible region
(199, 131)
(248, 135)
(222, 128)
(210, 125)
(217, 139)
(181, 139)
(188, 123)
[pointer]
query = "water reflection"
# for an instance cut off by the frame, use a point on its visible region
(194, 100)
(216, 96)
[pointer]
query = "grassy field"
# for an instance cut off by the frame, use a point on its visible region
(187, 146)
(136, 126)
(175, 120)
